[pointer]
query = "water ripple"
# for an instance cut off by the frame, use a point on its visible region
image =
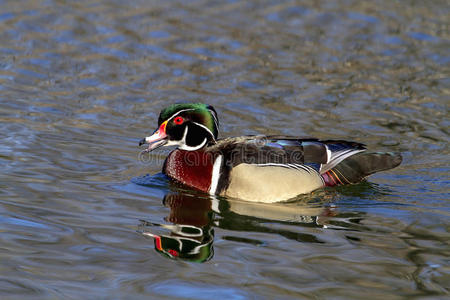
(82, 82)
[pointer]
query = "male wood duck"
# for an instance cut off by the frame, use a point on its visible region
(256, 168)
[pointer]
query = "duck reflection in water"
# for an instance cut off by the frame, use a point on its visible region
(189, 233)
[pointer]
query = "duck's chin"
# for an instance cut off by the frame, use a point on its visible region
(156, 145)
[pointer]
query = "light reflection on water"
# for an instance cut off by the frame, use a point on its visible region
(82, 82)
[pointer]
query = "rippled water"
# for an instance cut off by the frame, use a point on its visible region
(82, 81)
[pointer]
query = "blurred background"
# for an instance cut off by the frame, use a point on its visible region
(81, 82)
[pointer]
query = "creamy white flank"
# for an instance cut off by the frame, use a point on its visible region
(270, 183)
(215, 175)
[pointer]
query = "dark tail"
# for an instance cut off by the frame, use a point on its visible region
(358, 166)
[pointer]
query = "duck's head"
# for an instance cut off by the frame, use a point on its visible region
(189, 126)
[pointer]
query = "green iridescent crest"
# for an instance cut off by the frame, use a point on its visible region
(198, 112)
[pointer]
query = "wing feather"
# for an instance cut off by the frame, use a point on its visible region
(306, 154)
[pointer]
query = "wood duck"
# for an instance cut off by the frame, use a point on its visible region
(256, 168)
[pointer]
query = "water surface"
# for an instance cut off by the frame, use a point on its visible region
(81, 82)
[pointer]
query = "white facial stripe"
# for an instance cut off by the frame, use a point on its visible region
(173, 143)
(189, 109)
(185, 134)
(189, 148)
(178, 143)
(215, 175)
(184, 146)
(206, 128)
(179, 112)
(215, 119)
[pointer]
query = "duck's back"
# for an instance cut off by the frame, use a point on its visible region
(275, 168)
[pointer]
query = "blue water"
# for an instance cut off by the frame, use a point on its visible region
(81, 211)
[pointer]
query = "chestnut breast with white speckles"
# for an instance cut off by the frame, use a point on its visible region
(192, 168)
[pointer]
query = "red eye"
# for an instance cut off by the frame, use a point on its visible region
(178, 120)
